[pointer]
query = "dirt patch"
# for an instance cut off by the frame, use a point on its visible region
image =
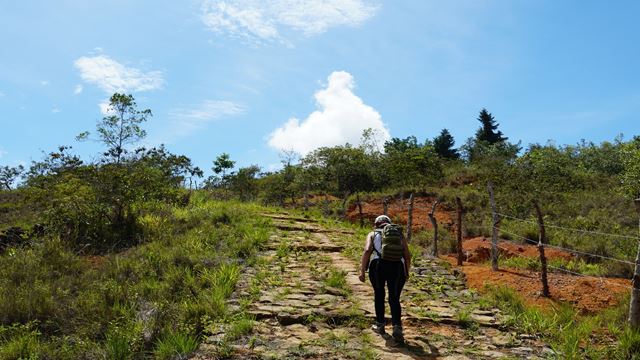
(398, 211)
(588, 294)
(478, 250)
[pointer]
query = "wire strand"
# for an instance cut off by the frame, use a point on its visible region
(570, 250)
(570, 229)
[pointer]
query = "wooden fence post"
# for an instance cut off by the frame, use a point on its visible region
(385, 206)
(410, 218)
(344, 205)
(543, 259)
(494, 229)
(360, 210)
(325, 205)
(634, 305)
(434, 223)
(459, 226)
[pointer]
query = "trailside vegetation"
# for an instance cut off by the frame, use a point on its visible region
(117, 257)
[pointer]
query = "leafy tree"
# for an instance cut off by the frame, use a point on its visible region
(223, 163)
(401, 145)
(631, 162)
(488, 131)
(8, 175)
(443, 145)
(121, 127)
(341, 168)
(244, 182)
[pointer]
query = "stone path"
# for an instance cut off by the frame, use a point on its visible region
(308, 303)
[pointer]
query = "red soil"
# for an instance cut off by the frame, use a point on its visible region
(398, 212)
(478, 250)
(588, 294)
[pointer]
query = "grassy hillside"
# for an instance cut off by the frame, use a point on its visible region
(152, 300)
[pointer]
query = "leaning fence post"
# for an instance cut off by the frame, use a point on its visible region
(306, 201)
(459, 226)
(634, 306)
(360, 210)
(494, 229)
(434, 223)
(410, 218)
(385, 206)
(543, 259)
(344, 204)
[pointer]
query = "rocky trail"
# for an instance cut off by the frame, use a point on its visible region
(308, 303)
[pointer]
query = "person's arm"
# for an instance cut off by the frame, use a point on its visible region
(366, 255)
(407, 257)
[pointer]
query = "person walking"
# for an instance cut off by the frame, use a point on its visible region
(386, 255)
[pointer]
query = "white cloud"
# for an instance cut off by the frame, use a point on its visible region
(55, 110)
(266, 19)
(341, 117)
(111, 76)
(44, 82)
(78, 89)
(185, 121)
(2, 153)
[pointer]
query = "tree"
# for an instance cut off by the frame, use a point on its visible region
(244, 182)
(401, 145)
(8, 175)
(223, 163)
(443, 145)
(121, 127)
(487, 131)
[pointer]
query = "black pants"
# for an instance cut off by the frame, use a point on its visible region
(391, 273)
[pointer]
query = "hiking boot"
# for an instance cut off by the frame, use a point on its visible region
(397, 333)
(378, 328)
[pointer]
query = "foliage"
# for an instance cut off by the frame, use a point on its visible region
(566, 330)
(158, 297)
(488, 131)
(443, 145)
(8, 176)
(120, 127)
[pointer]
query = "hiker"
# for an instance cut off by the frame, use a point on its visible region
(387, 256)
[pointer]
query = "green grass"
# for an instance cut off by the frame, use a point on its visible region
(572, 336)
(156, 298)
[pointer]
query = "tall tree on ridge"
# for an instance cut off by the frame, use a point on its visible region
(443, 145)
(488, 132)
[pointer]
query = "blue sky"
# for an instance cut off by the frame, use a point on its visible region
(252, 78)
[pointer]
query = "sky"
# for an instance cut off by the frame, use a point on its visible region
(256, 78)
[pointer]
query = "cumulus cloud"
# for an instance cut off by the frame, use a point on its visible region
(111, 76)
(55, 110)
(266, 19)
(341, 117)
(78, 89)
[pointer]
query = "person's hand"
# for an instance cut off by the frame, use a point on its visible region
(361, 277)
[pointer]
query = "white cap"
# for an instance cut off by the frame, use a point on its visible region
(382, 219)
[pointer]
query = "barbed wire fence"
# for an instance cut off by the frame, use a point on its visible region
(408, 205)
